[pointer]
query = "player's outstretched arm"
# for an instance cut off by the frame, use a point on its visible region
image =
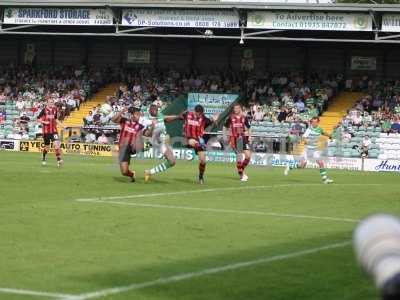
(169, 119)
(182, 115)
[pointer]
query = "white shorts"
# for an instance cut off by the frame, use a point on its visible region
(160, 149)
(311, 155)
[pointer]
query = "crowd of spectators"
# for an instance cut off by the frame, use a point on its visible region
(275, 97)
(289, 97)
(24, 90)
(378, 111)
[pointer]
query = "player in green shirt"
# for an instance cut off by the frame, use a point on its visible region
(159, 140)
(311, 152)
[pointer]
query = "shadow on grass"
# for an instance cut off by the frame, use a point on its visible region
(330, 274)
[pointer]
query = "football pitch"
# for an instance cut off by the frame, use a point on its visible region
(85, 232)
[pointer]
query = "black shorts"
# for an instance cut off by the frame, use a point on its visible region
(50, 137)
(125, 153)
(240, 144)
(196, 150)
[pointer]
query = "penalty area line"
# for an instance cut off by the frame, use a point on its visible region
(185, 192)
(204, 272)
(34, 293)
(220, 210)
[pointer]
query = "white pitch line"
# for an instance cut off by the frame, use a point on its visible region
(205, 272)
(149, 195)
(33, 293)
(218, 210)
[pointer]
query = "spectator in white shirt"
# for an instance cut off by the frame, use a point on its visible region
(90, 138)
(158, 102)
(366, 143)
(357, 119)
(89, 119)
(137, 88)
(20, 104)
(258, 114)
(102, 139)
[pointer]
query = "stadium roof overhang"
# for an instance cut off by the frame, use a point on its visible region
(242, 33)
(345, 7)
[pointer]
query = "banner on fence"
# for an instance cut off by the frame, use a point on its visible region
(391, 22)
(9, 145)
(70, 148)
(58, 16)
(309, 21)
(212, 103)
(180, 18)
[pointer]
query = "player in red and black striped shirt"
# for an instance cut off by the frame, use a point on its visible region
(195, 124)
(49, 121)
(239, 139)
(130, 138)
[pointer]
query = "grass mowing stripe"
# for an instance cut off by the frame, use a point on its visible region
(205, 272)
(218, 210)
(149, 195)
(33, 293)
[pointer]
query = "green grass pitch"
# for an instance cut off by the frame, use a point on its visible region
(182, 246)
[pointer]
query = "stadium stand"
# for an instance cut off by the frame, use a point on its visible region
(24, 89)
(371, 126)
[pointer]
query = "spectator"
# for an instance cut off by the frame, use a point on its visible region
(158, 102)
(103, 139)
(300, 105)
(366, 143)
(97, 118)
(20, 104)
(90, 138)
(88, 120)
(258, 114)
(357, 119)
(282, 115)
(395, 128)
(75, 137)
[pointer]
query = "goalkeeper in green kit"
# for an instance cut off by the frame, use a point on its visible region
(311, 152)
(159, 140)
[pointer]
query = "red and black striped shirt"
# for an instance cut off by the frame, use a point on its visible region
(130, 131)
(194, 126)
(49, 115)
(237, 124)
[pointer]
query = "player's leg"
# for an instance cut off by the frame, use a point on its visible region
(301, 165)
(239, 156)
(45, 149)
(239, 161)
(323, 172)
(57, 149)
(245, 163)
(202, 165)
(168, 163)
(200, 151)
(124, 161)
